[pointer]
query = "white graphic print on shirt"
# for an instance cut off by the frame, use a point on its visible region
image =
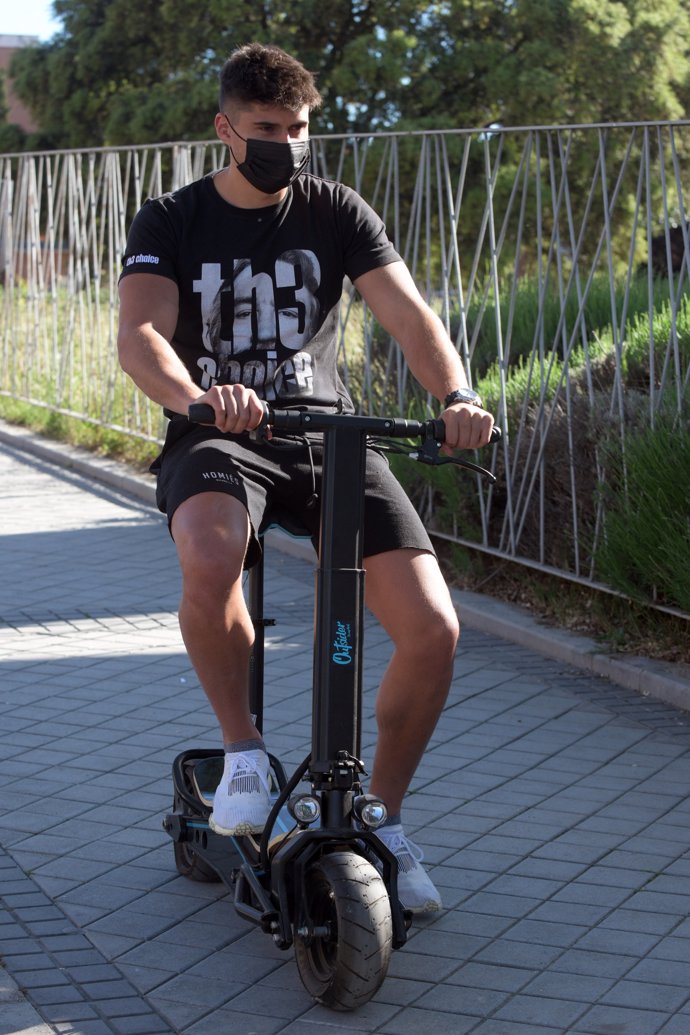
(250, 312)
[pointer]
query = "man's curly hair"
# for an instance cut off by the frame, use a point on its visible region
(265, 74)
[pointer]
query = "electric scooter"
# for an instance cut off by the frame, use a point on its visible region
(317, 877)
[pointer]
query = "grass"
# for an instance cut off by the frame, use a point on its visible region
(645, 550)
(102, 441)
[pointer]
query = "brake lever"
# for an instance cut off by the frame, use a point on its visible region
(430, 457)
(459, 461)
(429, 454)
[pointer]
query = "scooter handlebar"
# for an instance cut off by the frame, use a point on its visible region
(305, 420)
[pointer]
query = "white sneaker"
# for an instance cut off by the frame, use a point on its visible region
(415, 887)
(241, 803)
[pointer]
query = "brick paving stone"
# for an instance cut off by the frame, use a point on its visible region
(595, 964)
(54, 995)
(243, 1024)
(672, 949)
(676, 1026)
(130, 1006)
(463, 1000)
(616, 1018)
(32, 963)
(371, 1015)
(535, 1009)
(29, 979)
(100, 1027)
(553, 808)
(140, 1026)
(22, 1017)
(410, 1021)
(68, 1013)
(496, 1027)
(180, 1016)
(112, 988)
(646, 995)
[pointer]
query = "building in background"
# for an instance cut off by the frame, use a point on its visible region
(17, 112)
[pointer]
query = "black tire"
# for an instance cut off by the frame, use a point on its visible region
(344, 969)
(187, 862)
(192, 866)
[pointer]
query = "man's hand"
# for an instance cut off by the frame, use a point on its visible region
(237, 408)
(467, 427)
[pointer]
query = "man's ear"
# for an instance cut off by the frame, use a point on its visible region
(222, 128)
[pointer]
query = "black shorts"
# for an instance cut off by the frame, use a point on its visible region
(278, 479)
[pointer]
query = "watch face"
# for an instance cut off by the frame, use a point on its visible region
(462, 395)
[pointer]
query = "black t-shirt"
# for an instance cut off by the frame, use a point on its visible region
(260, 288)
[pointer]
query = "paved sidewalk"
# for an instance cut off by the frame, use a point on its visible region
(553, 808)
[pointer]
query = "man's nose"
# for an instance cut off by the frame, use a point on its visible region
(266, 324)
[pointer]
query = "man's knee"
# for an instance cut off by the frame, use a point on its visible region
(211, 541)
(439, 632)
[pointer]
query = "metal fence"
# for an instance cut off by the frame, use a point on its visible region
(556, 256)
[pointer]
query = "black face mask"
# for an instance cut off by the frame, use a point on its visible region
(271, 166)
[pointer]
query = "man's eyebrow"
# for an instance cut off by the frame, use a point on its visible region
(268, 124)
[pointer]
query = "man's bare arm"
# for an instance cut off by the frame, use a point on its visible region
(148, 317)
(392, 295)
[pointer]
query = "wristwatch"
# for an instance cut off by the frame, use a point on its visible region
(462, 395)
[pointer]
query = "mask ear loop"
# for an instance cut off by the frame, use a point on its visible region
(227, 119)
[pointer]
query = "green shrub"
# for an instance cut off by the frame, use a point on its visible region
(645, 548)
(536, 316)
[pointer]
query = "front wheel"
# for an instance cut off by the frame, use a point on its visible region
(344, 965)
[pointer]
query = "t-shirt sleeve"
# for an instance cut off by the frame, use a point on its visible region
(151, 242)
(366, 244)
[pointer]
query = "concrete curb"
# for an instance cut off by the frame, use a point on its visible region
(665, 681)
(80, 461)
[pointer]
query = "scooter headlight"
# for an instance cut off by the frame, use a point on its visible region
(305, 808)
(370, 811)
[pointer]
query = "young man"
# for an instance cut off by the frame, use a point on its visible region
(229, 295)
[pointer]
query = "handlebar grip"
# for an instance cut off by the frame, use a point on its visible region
(201, 413)
(495, 434)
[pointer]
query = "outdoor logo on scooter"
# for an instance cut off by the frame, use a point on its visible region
(342, 644)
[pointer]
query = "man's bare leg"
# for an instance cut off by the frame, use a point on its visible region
(211, 532)
(408, 594)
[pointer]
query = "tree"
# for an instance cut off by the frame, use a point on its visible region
(141, 71)
(125, 72)
(12, 137)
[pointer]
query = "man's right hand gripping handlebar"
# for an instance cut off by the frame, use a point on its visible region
(230, 408)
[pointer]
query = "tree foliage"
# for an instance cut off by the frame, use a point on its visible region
(140, 71)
